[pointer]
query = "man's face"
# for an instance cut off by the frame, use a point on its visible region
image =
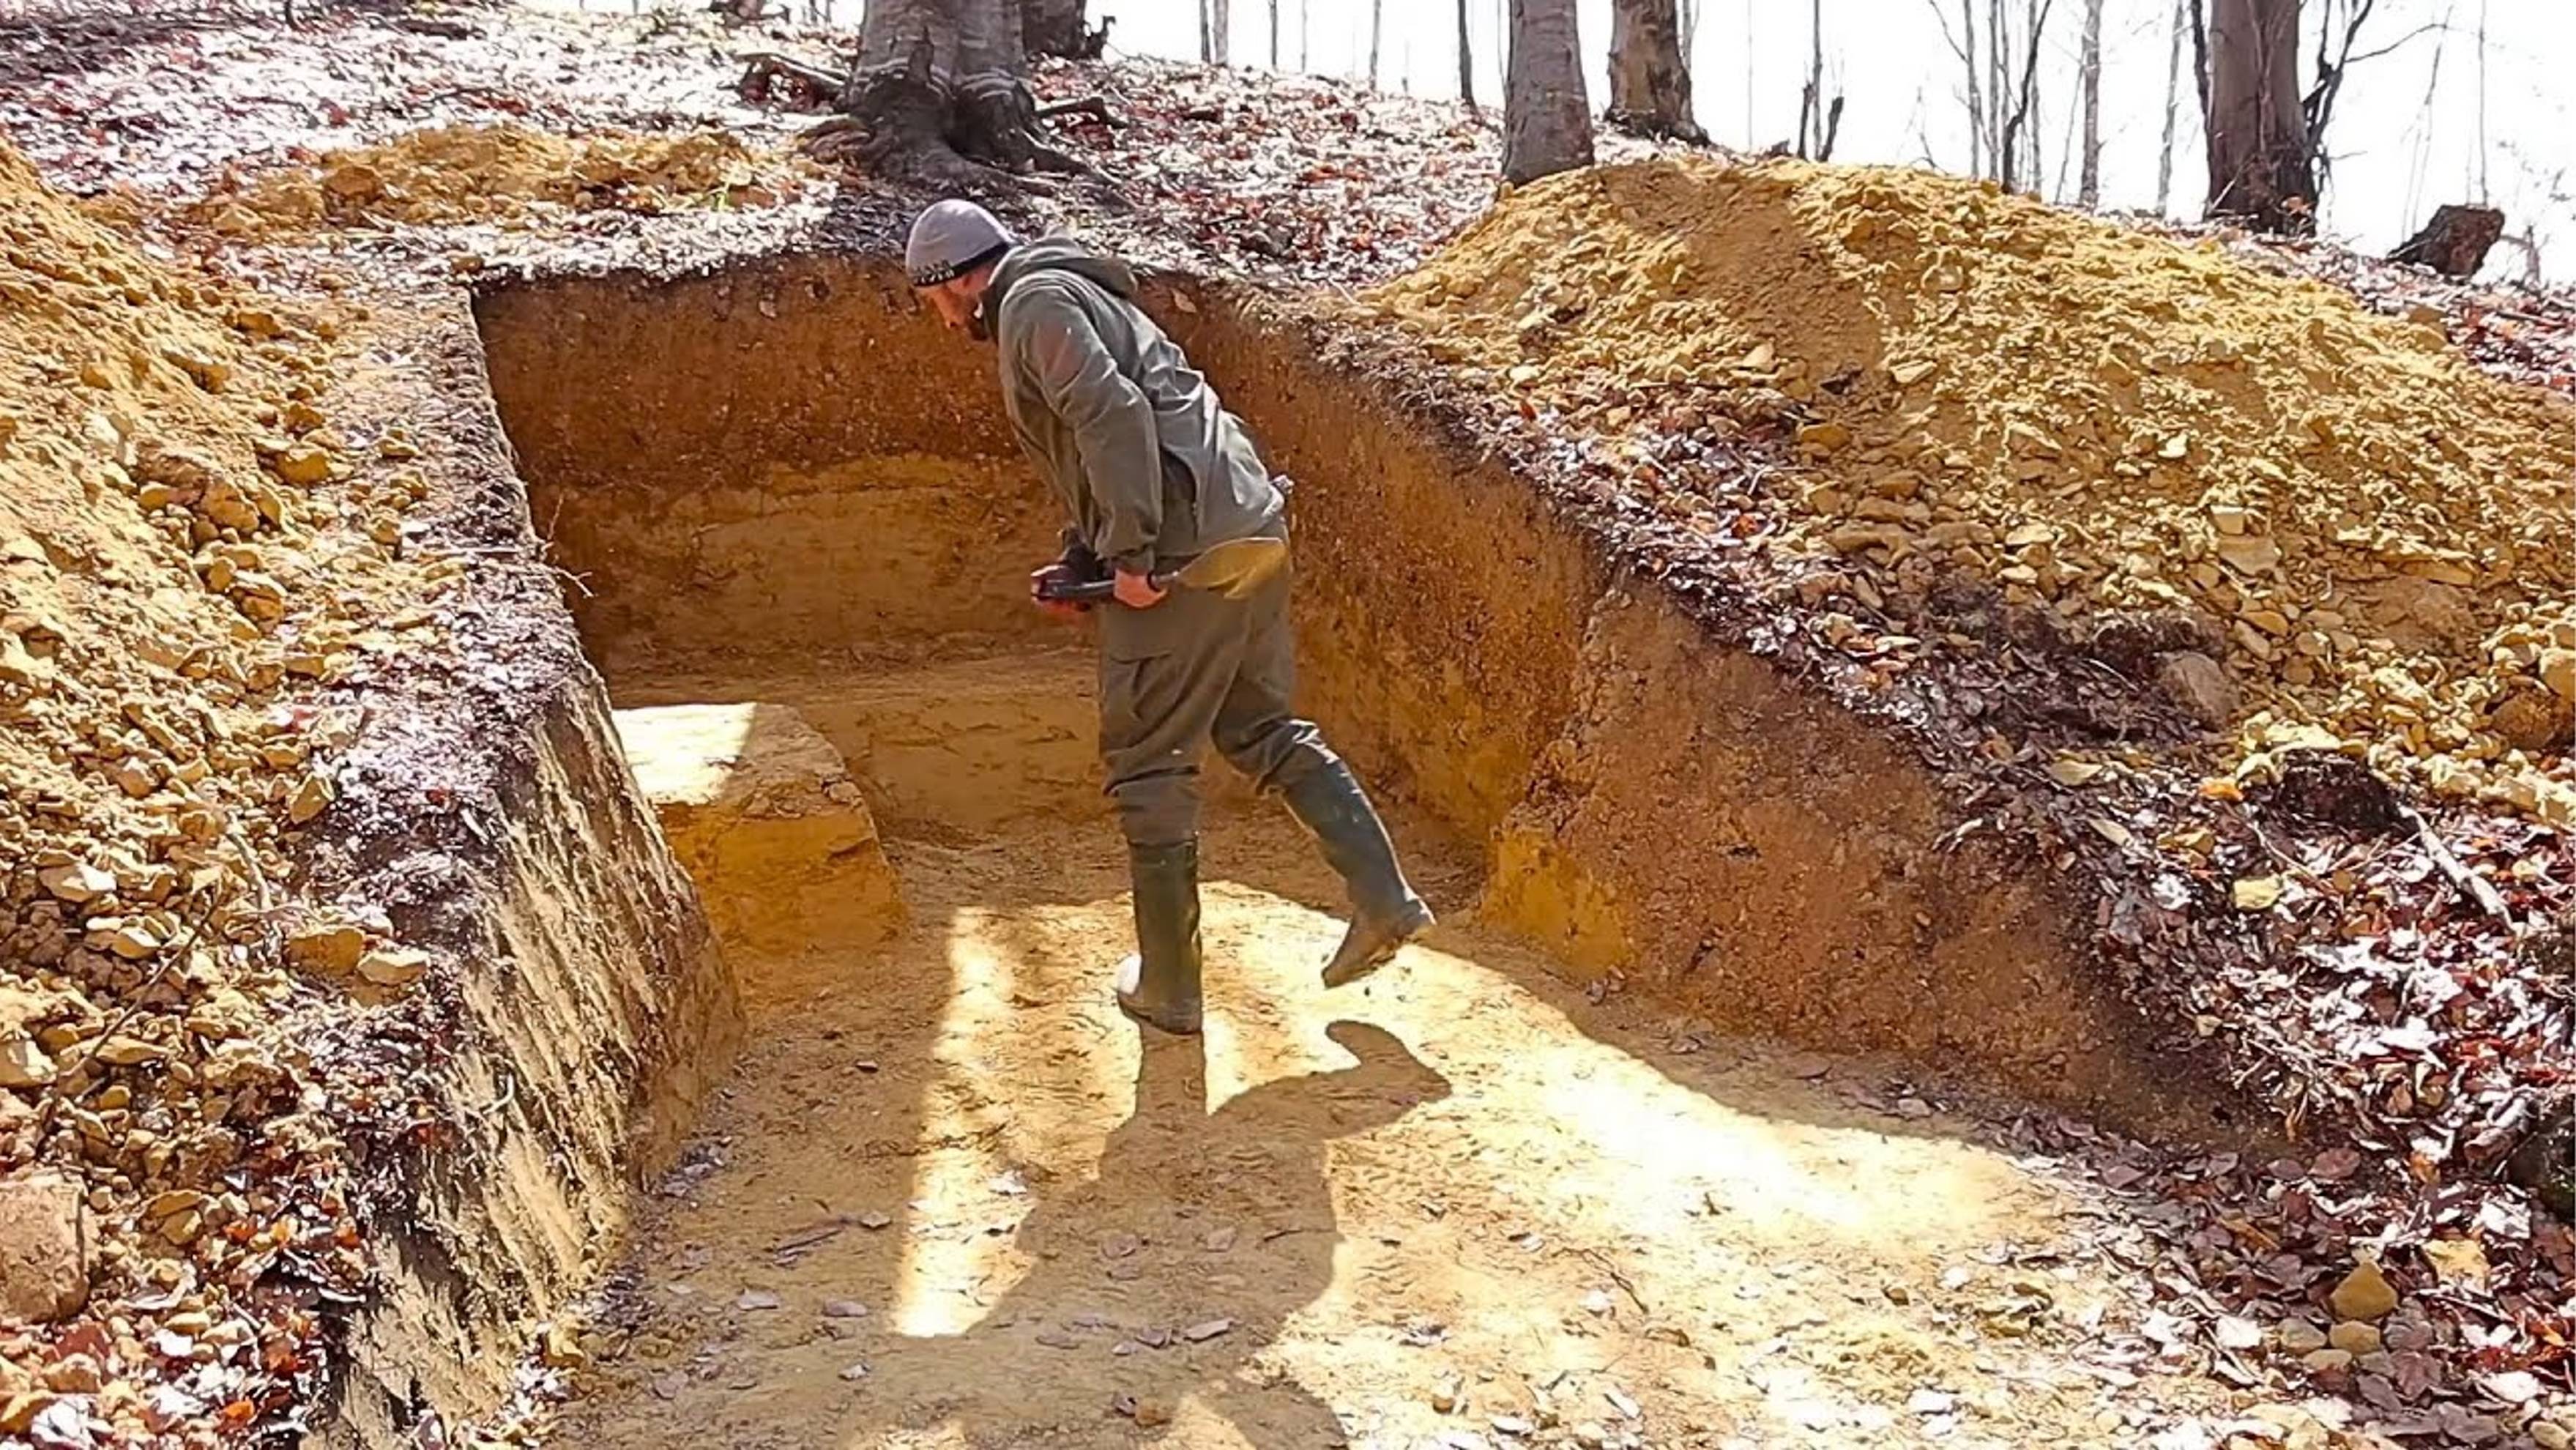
(955, 301)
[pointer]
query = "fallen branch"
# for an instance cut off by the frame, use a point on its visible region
(763, 66)
(2469, 883)
(1092, 106)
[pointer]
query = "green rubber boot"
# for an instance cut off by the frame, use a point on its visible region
(1159, 985)
(1385, 913)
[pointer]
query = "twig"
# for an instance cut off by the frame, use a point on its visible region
(2469, 883)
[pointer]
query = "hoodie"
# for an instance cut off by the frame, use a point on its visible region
(1151, 468)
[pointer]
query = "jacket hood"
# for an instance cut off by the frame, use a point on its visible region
(1060, 254)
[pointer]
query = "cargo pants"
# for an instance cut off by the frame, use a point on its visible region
(1198, 668)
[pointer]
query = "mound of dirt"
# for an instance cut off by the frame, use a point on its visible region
(183, 555)
(471, 173)
(2094, 420)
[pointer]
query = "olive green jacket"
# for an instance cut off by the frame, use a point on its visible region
(1151, 468)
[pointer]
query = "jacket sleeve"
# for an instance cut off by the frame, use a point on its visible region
(1112, 423)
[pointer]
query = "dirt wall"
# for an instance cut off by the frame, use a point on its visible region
(585, 1015)
(781, 459)
(1653, 802)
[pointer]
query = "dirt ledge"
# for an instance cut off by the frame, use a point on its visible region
(488, 809)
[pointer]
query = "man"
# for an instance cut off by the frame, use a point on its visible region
(1152, 471)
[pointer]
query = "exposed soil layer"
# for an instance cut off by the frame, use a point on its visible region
(802, 484)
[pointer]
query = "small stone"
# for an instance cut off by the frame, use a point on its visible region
(302, 463)
(2298, 1336)
(2365, 1293)
(45, 1247)
(2550, 1435)
(1825, 437)
(2327, 1361)
(393, 966)
(1206, 1330)
(79, 883)
(2558, 672)
(1444, 1397)
(311, 798)
(844, 1309)
(333, 948)
(756, 1300)
(1152, 1413)
(854, 1373)
(123, 1051)
(2355, 1338)
(1058, 1339)
(24, 1063)
(1597, 1303)
(2200, 686)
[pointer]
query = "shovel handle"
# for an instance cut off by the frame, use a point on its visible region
(1097, 591)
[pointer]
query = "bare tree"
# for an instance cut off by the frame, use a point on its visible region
(2019, 147)
(1207, 32)
(1221, 31)
(2088, 190)
(1377, 32)
(2262, 169)
(1304, 65)
(1547, 118)
(1819, 122)
(1466, 63)
(1650, 83)
(1274, 34)
(2173, 92)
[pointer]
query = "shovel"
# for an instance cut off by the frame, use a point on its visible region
(1234, 568)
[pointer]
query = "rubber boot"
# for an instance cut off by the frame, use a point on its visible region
(1159, 985)
(1385, 914)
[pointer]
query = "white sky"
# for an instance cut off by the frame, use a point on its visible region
(2406, 135)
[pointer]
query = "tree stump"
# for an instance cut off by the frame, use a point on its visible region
(2455, 242)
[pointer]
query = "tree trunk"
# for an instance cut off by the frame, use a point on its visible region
(1304, 58)
(2455, 242)
(1274, 34)
(935, 96)
(1547, 118)
(2260, 169)
(1207, 33)
(1052, 27)
(2088, 188)
(1976, 89)
(2173, 94)
(1466, 62)
(1377, 32)
(1650, 84)
(1221, 31)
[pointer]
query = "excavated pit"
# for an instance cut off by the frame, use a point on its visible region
(783, 486)
(801, 531)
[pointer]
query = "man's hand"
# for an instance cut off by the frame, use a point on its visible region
(1137, 591)
(1063, 611)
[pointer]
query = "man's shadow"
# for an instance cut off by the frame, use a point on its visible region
(1163, 1276)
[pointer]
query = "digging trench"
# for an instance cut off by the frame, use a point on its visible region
(945, 1196)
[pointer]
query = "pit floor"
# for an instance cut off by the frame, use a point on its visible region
(955, 1201)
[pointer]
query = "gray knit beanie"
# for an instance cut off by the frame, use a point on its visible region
(951, 239)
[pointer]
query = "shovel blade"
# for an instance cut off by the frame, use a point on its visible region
(1234, 568)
